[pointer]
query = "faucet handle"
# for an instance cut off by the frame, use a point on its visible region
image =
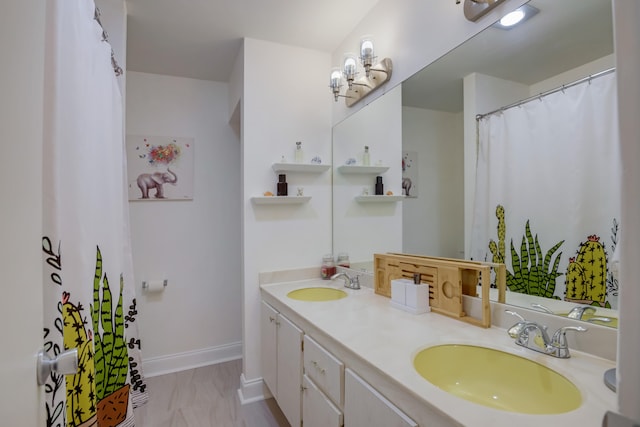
(542, 307)
(515, 331)
(579, 311)
(514, 313)
(560, 336)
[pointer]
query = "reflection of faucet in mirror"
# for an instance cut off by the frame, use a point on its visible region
(577, 313)
(533, 336)
(349, 282)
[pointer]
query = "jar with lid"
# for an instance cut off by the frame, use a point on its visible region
(343, 260)
(328, 268)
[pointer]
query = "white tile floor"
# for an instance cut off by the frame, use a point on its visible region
(204, 397)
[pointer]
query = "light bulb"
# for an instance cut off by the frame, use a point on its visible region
(336, 77)
(512, 18)
(366, 48)
(350, 65)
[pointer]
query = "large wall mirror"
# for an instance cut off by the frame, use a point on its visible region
(429, 130)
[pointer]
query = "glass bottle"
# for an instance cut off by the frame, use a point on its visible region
(343, 260)
(282, 189)
(328, 267)
(366, 159)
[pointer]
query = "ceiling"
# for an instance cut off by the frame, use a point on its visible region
(201, 38)
(563, 35)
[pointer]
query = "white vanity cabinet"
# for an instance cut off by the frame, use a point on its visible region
(364, 406)
(281, 345)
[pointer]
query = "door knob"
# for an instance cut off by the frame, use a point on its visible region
(64, 363)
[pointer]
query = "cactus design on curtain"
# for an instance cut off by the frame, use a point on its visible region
(98, 394)
(532, 271)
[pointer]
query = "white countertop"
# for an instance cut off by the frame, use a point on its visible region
(387, 339)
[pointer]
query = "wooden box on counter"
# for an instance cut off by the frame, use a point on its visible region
(448, 279)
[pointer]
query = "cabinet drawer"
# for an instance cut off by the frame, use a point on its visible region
(324, 369)
(317, 409)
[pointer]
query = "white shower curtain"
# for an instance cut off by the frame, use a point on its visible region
(89, 299)
(547, 199)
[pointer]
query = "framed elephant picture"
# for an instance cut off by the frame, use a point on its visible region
(160, 167)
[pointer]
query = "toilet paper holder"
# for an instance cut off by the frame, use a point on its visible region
(145, 284)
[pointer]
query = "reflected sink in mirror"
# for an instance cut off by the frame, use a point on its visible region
(317, 294)
(497, 379)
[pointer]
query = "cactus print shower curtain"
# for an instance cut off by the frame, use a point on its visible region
(89, 300)
(547, 201)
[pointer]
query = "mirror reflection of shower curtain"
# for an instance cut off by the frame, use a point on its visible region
(547, 200)
(89, 298)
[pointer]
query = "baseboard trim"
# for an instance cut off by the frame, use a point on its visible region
(252, 391)
(161, 365)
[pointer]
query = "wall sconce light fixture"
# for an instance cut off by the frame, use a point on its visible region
(375, 74)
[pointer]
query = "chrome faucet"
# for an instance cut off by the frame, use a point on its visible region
(578, 311)
(349, 282)
(534, 336)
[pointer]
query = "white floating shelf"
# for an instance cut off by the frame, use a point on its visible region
(300, 167)
(356, 169)
(379, 199)
(280, 200)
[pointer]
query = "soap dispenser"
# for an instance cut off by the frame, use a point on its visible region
(366, 158)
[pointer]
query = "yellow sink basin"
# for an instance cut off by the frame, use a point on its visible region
(317, 294)
(497, 379)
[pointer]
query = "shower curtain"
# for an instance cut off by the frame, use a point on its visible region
(547, 198)
(89, 300)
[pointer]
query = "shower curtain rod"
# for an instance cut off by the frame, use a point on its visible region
(549, 92)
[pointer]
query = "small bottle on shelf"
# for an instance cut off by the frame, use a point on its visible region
(299, 154)
(379, 186)
(282, 185)
(366, 158)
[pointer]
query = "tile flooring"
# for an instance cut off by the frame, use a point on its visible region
(204, 397)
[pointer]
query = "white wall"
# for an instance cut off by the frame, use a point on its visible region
(194, 244)
(432, 223)
(285, 100)
(362, 229)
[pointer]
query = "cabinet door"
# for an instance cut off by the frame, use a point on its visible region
(324, 369)
(364, 406)
(268, 346)
(289, 372)
(317, 409)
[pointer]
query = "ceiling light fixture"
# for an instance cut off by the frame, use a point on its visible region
(517, 17)
(375, 74)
